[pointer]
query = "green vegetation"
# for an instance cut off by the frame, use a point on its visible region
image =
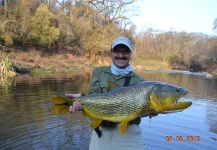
(39, 29)
(39, 71)
(155, 64)
(72, 69)
(87, 28)
(5, 64)
(5, 71)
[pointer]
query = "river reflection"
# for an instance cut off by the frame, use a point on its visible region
(26, 121)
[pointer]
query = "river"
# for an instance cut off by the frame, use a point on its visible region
(26, 121)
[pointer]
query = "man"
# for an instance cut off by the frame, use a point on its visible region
(121, 74)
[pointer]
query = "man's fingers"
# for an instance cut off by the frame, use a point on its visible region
(70, 95)
(71, 109)
(76, 106)
(73, 95)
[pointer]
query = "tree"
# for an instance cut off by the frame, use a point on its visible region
(215, 24)
(41, 32)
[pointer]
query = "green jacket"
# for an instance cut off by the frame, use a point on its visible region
(101, 76)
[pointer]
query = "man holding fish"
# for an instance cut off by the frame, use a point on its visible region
(118, 98)
(120, 73)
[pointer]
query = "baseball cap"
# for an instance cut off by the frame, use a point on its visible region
(124, 41)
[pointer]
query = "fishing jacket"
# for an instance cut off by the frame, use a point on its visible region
(102, 75)
(99, 84)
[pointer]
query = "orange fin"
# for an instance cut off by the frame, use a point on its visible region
(59, 109)
(122, 127)
(61, 100)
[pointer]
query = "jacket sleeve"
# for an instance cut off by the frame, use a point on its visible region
(95, 83)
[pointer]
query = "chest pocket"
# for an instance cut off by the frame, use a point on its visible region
(103, 82)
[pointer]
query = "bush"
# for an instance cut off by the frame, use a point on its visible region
(41, 32)
(5, 64)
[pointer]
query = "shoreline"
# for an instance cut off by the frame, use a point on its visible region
(35, 62)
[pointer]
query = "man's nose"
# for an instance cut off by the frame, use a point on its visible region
(121, 53)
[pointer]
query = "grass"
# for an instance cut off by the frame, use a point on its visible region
(150, 64)
(72, 69)
(5, 64)
(40, 71)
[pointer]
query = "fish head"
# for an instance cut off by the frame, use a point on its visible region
(165, 96)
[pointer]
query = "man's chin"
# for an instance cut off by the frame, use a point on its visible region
(120, 65)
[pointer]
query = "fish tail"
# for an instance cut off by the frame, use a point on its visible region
(61, 100)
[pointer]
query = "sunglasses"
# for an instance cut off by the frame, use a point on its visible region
(117, 51)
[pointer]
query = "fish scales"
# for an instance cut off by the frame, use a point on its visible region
(121, 103)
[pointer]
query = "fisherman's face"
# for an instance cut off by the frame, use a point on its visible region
(121, 56)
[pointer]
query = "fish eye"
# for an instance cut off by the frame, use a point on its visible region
(177, 90)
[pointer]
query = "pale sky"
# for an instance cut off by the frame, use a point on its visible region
(178, 15)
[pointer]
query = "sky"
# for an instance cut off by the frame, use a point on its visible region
(176, 15)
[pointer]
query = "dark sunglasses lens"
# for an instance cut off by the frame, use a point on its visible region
(119, 51)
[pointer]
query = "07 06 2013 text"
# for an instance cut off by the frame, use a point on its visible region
(179, 138)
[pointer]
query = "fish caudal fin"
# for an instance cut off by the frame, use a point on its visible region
(59, 109)
(61, 100)
(122, 127)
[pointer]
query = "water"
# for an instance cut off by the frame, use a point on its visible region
(26, 121)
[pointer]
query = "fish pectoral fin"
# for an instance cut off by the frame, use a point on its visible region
(94, 122)
(122, 127)
(112, 86)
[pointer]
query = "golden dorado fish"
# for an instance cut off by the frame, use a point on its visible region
(124, 104)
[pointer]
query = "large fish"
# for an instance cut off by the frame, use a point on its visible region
(124, 104)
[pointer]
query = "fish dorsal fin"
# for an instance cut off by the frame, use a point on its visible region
(122, 127)
(94, 122)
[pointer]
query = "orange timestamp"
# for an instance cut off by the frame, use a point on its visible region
(178, 138)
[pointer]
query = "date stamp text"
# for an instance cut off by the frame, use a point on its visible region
(180, 138)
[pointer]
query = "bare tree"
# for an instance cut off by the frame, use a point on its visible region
(215, 24)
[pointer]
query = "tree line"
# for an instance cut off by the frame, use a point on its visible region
(87, 27)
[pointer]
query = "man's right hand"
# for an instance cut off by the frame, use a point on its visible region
(75, 107)
(76, 104)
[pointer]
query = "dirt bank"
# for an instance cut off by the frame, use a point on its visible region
(36, 60)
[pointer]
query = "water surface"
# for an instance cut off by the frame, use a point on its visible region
(26, 121)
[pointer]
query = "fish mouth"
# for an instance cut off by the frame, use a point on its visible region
(185, 93)
(176, 100)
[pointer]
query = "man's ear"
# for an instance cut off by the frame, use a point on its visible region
(131, 55)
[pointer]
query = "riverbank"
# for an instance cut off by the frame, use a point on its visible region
(34, 61)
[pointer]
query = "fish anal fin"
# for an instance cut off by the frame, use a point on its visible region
(122, 127)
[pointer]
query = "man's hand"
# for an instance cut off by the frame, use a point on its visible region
(75, 107)
(76, 104)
